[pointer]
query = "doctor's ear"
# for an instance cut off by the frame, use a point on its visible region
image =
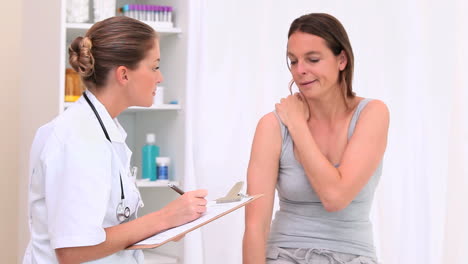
(121, 74)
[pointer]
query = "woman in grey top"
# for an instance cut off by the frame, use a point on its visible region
(322, 148)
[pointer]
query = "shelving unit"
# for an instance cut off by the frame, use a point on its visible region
(154, 107)
(75, 29)
(167, 121)
(141, 109)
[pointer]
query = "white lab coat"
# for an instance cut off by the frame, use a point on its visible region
(74, 185)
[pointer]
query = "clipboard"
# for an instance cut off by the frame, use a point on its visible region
(214, 211)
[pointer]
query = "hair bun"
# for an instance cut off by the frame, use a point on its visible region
(80, 56)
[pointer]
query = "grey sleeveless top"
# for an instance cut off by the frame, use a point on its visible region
(303, 222)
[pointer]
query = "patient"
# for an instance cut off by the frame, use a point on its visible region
(322, 149)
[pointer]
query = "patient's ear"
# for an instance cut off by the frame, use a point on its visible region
(342, 60)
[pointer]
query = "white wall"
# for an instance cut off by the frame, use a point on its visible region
(40, 99)
(29, 98)
(9, 109)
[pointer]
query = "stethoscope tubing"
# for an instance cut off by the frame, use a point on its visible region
(122, 194)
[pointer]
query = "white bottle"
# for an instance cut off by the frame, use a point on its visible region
(169, 14)
(159, 97)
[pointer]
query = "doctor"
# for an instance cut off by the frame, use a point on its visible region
(82, 200)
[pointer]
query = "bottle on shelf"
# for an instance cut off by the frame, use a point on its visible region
(162, 164)
(159, 97)
(74, 87)
(160, 16)
(149, 153)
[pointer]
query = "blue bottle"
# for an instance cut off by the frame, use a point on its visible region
(149, 153)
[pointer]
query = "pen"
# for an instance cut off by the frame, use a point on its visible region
(175, 188)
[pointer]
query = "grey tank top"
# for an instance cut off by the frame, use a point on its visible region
(303, 222)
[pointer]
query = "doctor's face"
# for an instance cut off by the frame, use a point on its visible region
(145, 78)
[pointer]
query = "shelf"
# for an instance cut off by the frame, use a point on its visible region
(154, 107)
(160, 183)
(152, 257)
(78, 26)
(76, 29)
(133, 109)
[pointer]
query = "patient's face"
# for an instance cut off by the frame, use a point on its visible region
(314, 67)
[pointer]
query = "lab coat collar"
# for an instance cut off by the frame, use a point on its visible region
(113, 127)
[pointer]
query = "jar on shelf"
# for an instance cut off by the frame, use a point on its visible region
(74, 87)
(77, 11)
(103, 9)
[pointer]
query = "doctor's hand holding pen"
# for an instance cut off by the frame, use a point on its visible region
(188, 207)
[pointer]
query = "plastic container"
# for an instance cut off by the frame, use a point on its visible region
(162, 164)
(149, 152)
(169, 14)
(74, 87)
(77, 11)
(159, 97)
(103, 9)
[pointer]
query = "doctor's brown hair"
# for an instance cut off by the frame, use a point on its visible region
(335, 36)
(113, 42)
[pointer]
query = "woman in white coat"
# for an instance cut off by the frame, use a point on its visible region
(82, 201)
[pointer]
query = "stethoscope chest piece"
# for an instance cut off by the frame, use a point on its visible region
(123, 212)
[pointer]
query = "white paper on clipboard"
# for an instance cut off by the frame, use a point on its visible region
(213, 211)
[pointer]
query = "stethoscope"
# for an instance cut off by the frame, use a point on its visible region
(122, 211)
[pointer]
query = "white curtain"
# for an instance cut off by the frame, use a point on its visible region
(410, 54)
(456, 231)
